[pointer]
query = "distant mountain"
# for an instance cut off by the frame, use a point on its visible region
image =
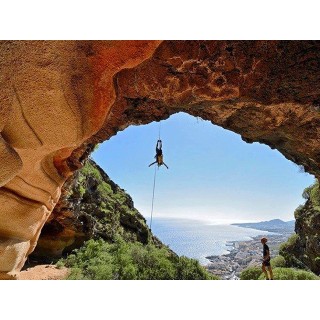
(275, 225)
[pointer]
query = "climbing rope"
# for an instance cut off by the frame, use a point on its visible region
(154, 182)
(154, 188)
(159, 129)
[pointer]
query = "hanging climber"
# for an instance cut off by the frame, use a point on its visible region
(159, 155)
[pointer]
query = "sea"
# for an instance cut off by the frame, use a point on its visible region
(199, 239)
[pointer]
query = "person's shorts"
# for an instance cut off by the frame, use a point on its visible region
(266, 263)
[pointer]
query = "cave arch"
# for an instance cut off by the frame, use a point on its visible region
(246, 87)
(204, 159)
(266, 91)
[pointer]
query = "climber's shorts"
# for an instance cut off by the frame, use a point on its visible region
(266, 263)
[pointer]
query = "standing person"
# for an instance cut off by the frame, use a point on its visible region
(266, 260)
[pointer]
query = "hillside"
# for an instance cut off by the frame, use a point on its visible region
(303, 248)
(275, 225)
(91, 206)
(97, 233)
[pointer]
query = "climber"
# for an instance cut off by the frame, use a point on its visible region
(266, 260)
(159, 155)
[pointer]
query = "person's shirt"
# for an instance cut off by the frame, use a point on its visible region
(266, 251)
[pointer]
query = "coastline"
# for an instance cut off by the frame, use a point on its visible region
(243, 254)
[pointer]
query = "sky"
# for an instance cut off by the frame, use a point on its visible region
(213, 174)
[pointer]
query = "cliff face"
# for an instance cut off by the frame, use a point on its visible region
(303, 249)
(54, 96)
(91, 206)
(59, 98)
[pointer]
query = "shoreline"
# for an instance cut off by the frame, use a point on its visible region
(243, 254)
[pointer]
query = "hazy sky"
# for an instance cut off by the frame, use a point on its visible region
(213, 174)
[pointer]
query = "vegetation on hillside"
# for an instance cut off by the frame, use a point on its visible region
(251, 273)
(122, 246)
(291, 274)
(119, 243)
(104, 209)
(100, 260)
(302, 250)
(278, 264)
(279, 273)
(312, 193)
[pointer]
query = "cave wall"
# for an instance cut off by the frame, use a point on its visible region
(54, 96)
(59, 98)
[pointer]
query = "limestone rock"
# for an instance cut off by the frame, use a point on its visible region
(54, 96)
(59, 98)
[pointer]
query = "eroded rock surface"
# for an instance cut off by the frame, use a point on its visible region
(59, 98)
(54, 96)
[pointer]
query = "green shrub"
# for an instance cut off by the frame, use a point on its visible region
(313, 193)
(278, 261)
(291, 242)
(298, 211)
(89, 170)
(315, 196)
(60, 264)
(151, 263)
(255, 273)
(190, 269)
(291, 274)
(287, 250)
(82, 190)
(104, 189)
(251, 273)
(100, 260)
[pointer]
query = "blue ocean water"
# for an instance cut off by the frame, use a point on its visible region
(198, 239)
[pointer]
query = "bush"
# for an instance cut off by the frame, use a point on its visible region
(152, 263)
(190, 269)
(100, 260)
(290, 244)
(298, 211)
(315, 196)
(252, 273)
(255, 273)
(293, 240)
(291, 274)
(312, 193)
(287, 250)
(278, 261)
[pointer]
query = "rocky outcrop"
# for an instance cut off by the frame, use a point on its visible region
(59, 98)
(303, 249)
(91, 206)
